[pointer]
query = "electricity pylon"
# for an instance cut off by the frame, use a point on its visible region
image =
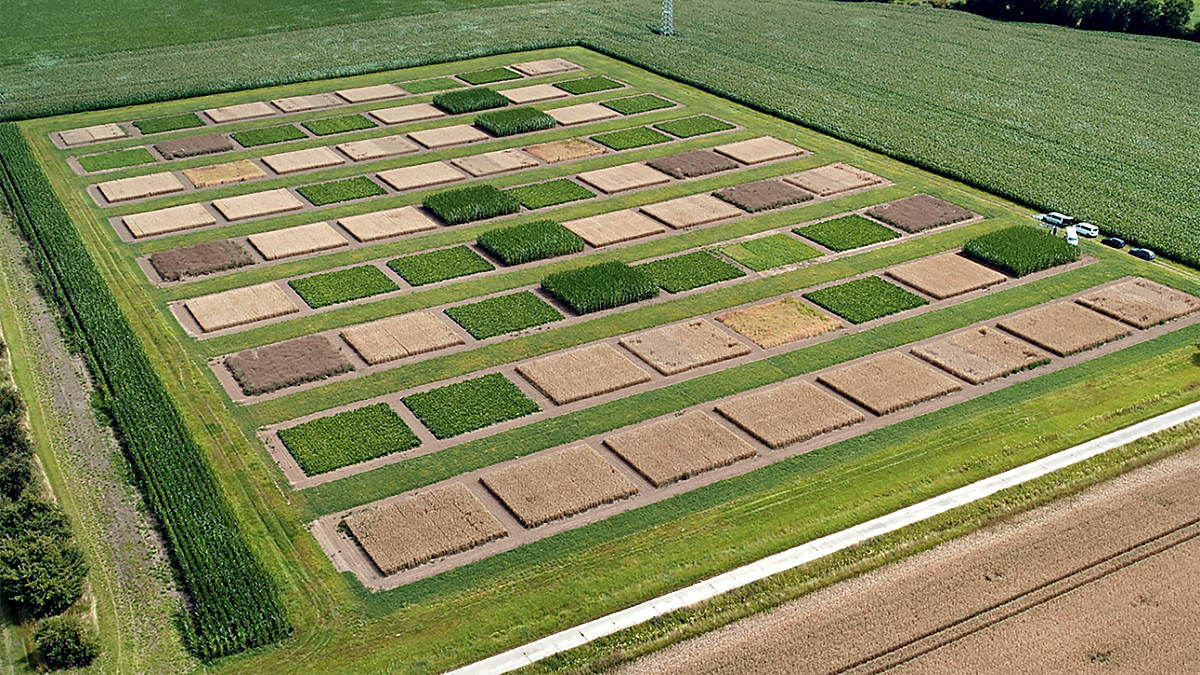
(668, 18)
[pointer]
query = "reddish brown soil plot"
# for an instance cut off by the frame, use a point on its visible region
(981, 354)
(558, 485)
(199, 259)
(763, 195)
(693, 163)
(1141, 302)
(889, 382)
(1065, 328)
(677, 447)
(284, 364)
(920, 212)
(194, 146)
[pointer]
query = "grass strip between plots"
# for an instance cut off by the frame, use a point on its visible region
(628, 139)
(350, 437)
(847, 232)
(1021, 250)
(865, 299)
(338, 125)
(550, 193)
(473, 404)
(440, 265)
(466, 205)
(268, 135)
(116, 159)
(527, 242)
(158, 125)
(694, 126)
(469, 100)
(768, 252)
(431, 85)
(634, 105)
(503, 314)
(331, 288)
(343, 190)
(514, 121)
(489, 76)
(588, 85)
(601, 286)
(690, 270)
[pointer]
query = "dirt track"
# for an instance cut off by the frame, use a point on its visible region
(1102, 582)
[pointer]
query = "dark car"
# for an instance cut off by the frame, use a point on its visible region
(1143, 253)
(1115, 242)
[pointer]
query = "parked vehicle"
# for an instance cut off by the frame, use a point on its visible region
(1072, 237)
(1087, 230)
(1143, 253)
(1115, 242)
(1055, 219)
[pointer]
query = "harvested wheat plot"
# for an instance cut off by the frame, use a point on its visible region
(240, 306)
(372, 93)
(582, 114)
(566, 150)
(224, 174)
(284, 364)
(544, 67)
(421, 176)
(1065, 328)
(557, 485)
(307, 102)
(613, 228)
(981, 354)
(789, 413)
(422, 527)
(1141, 302)
(140, 187)
(691, 211)
(302, 160)
(946, 275)
(889, 382)
(625, 177)
(399, 336)
(833, 178)
(678, 447)
(377, 148)
(582, 373)
(295, 241)
(682, 346)
(407, 113)
(237, 113)
(495, 162)
(164, 221)
(93, 134)
(535, 93)
(920, 212)
(258, 204)
(389, 223)
(448, 136)
(759, 150)
(779, 322)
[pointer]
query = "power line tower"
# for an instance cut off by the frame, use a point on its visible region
(668, 18)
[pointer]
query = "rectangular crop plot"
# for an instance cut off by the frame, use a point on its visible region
(224, 174)
(375, 92)
(694, 126)
(759, 150)
(613, 228)
(946, 275)
(541, 239)
(470, 405)
(565, 150)
(421, 176)
(173, 219)
(377, 148)
(847, 232)
(582, 373)
(431, 85)
(690, 270)
(423, 527)
(550, 193)
(624, 177)
(397, 337)
(634, 105)
(385, 224)
(337, 191)
(303, 160)
(354, 436)
(920, 212)
(889, 382)
(116, 159)
(140, 187)
(1021, 250)
(338, 125)
(434, 266)
(601, 286)
(833, 178)
(544, 67)
(533, 94)
(285, 364)
(693, 163)
(589, 85)
(159, 125)
(691, 211)
(865, 299)
(679, 347)
(779, 322)
(763, 195)
(268, 135)
(331, 288)
(1141, 302)
(469, 100)
(194, 146)
(627, 139)
(489, 76)
(789, 413)
(403, 114)
(199, 259)
(242, 111)
(293, 241)
(503, 314)
(1065, 328)
(444, 137)
(469, 204)
(490, 163)
(557, 485)
(768, 252)
(257, 204)
(678, 447)
(240, 306)
(513, 121)
(93, 134)
(583, 113)
(306, 102)
(981, 354)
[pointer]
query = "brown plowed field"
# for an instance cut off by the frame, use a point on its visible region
(264, 369)
(693, 163)
(199, 259)
(763, 195)
(920, 212)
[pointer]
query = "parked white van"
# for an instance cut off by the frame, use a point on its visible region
(1087, 230)
(1072, 236)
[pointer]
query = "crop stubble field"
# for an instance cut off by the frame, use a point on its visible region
(658, 333)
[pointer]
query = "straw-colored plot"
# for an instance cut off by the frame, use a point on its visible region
(691, 211)
(624, 177)
(377, 148)
(93, 134)
(399, 336)
(582, 373)
(224, 174)
(302, 160)
(582, 114)
(389, 223)
(946, 275)
(981, 354)
(375, 92)
(833, 178)
(557, 485)
(759, 150)
(495, 162)
(407, 113)
(534, 94)
(1065, 328)
(139, 187)
(789, 413)
(307, 102)
(607, 229)
(293, 241)
(678, 447)
(258, 204)
(544, 67)
(237, 113)
(889, 382)
(779, 322)
(240, 306)
(682, 346)
(424, 526)
(448, 136)
(174, 219)
(566, 150)
(421, 176)
(1141, 302)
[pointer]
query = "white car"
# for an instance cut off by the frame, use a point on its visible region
(1055, 219)
(1072, 238)
(1087, 230)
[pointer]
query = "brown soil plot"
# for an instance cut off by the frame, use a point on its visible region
(763, 195)
(534, 94)
(833, 178)
(494, 162)
(378, 148)
(421, 176)
(677, 447)
(563, 151)
(557, 485)
(174, 219)
(224, 174)
(1141, 302)
(582, 373)
(372, 93)
(299, 240)
(981, 354)
(759, 150)
(889, 382)
(94, 134)
(307, 102)
(240, 306)
(406, 113)
(920, 212)
(389, 223)
(199, 259)
(400, 336)
(544, 67)
(447, 136)
(140, 186)
(693, 163)
(244, 111)
(1065, 328)
(789, 413)
(946, 275)
(612, 228)
(691, 211)
(302, 160)
(582, 114)
(624, 177)
(258, 204)
(682, 346)
(778, 322)
(422, 527)
(284, 364)
(194, 146)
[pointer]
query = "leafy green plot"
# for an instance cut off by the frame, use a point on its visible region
(466, 406)
(350, 437)
(690, 270)
(865, 299)
(503, 314)
(434, 266)
(331, 288)
(765, 253)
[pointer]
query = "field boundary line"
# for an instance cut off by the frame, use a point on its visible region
(783, 561)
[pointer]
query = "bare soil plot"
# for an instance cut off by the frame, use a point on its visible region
(625, 177)
(375, 92)
(581, 114)
(448, 136)
(533, 94)
(583, 373)
(298, 240)
(377, 148)
(946, 275)
(833, 178)
(889, 382)
(199, 259)
(693, 163)
(759, 150)
(557, 485)
(258, 204)
(240, 306)
(422, 527)
(1065, 328)
(407, 113)
(565, 150)
(389, 223)
(682, 346)
(691, 211)
(174, 219)
(920, 212)
(779, 322)
(224, 174)
(243, 111)
(399, 336)
(93, 134)
(544, 67)
(284, 364)
(421, 176)
(789, 413)
(302, 160)
(981, 354)
(607, 229)
(293, 104)
(140, 186)
(495, 162)
(194, 146)
(678, 447)
(763, 195)
(1141, 302)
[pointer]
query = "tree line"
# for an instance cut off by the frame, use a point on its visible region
(1168, 18)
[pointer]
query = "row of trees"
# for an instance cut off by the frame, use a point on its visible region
(1168, 18)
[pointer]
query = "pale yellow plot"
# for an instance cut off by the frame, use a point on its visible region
(495, 162)
(302, 160)
(692, 210)
(582, 373)
(243, 111)
(758, 150)
(534, 94)
(258, 204)
(624, 177)
(174, 219)
(375, 92)
(445, 137)
(139, 187)
(377, 148)
(607, 229)
(582, 114)
(224, 174)
(421, 176)
(293, 241)
(389, 223)
(407, 113)
(240, 306)
(399, 336)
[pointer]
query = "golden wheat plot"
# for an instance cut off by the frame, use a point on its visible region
(778, 322)
(946, 275)
(673, 349)
(789, 413)
(677, 447)
(981, 354)
(558, 484)
(1141, 302)
(889, 382)
(1065, 328)
(582, 373)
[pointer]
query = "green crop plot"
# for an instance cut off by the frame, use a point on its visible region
(634, 105)
(847, 232)
(116, 159)
(503, 314)
(343, 190)
(550, 193)
(467, 406)
(1021, 250)
(628, 139)
(268, 135)
(466, 205)
(338, 125)
(690, 270)
(431, 85)
(765, 253)
(601, 286)
(469, 100)
(588, 85)
(528, 242)
(514, 121)
(489, 76)
(694, 126)
(158, 125)
(354, 436)
(865, 299)
(332, 288)
(439, 265)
